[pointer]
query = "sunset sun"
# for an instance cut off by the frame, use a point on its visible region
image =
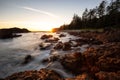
(40, 26)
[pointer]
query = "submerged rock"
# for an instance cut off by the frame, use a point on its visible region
(52, 58)
(27, 59)
(45, 46)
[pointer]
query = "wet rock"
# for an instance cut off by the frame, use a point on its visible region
(90, 41)
(63, 46)
(62, 35)
(94, 60)
(46, 60)
(52, 58)
(108, 75)
(43, 74)
(66, 46)
(73, 62)
(109, 64)
(52, 40)
(45, 46)
(110, 61)
(83, 76)
(104, 58)
(46, 36)
(58, 46)
(27, 59)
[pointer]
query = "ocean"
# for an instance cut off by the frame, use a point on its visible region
(13, 52)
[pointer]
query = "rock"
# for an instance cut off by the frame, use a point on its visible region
(84, 76)
(46, 36)
(42, 74)
(52, 58)
(63, 46)
(103, 58)
(73, 62)
(90, 41)
(45, 46)
(109, 64)
(108, 75)
(27, 59)
(11, 32)
(7, 33)
(66, 46)
(59, 46)
(62, 35)
(54, 40)
(18, 30)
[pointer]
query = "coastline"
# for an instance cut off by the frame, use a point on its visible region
(100, 61)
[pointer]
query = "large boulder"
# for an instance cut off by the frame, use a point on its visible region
(63, 46)
(52, 40)
(73, 62)
(46, 36)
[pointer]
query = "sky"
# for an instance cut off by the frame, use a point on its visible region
(41, 14)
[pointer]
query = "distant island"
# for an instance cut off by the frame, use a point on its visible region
(11, 32)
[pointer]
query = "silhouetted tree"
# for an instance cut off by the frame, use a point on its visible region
(76, 23)
(85, 15)
(101, 9)
(101, 16)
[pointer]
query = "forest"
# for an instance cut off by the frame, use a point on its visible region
(105, 15)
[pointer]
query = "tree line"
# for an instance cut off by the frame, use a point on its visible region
(105, 15)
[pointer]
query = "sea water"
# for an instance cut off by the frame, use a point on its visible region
(13, 52)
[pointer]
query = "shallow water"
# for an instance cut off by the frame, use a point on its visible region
(13, 52)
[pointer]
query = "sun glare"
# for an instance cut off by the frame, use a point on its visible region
(33, 25)
(41, 26)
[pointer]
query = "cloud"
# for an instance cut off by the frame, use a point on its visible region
(40, 11)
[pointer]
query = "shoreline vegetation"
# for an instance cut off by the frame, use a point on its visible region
(105, 15)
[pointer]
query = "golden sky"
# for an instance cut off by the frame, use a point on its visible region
(41, 14)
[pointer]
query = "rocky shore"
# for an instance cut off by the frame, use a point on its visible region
(11, 32)
(100, 61)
